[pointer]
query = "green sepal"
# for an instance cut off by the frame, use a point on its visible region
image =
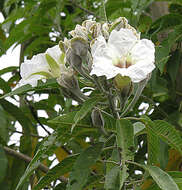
(43, 73)
(53, 65)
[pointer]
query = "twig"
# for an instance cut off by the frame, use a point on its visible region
(137, 181)
(153, 103)
(28, 159)
(34, 114)
(84, 9)
(112, 105)
(109, 161)
(33, 135)
(133, 118)
(109, 148)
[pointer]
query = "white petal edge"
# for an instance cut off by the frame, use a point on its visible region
(36, 64)
(54, 52)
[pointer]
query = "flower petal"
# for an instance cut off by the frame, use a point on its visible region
(99, 48)
(55, 53)
(122, 41)
(33, 80)
(143, 54)
(143, 50)
(140, 70)
(104, 67)
(36, 64)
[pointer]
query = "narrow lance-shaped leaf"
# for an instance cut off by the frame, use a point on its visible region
(125, 138)
(165, 131)
(46, 149)
(125, 141)
(86, 107)
(153, 147)
(163, 180)
(112, 181)
(27, 88)
(60, 169)
(3, 164)
(81, 168)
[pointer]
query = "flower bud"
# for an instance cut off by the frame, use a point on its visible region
(79, 46)
(73, 60)
(79, 31)
(97, 118)
(68, 80)
(64, 45)
(121, 82)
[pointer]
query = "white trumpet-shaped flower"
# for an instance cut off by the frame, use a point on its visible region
(125, 54)
(43, 66)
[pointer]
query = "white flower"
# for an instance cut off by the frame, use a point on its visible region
(123, 54)
(42, 66)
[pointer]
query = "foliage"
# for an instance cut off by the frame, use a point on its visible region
(86, 145)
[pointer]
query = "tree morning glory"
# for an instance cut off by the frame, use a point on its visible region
(43, 66)
(125, 54)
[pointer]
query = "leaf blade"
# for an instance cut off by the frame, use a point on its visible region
(163, 180)
(81, 168)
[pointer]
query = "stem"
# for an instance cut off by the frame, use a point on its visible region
(99, 85)
(137, 181)
(109, 148)
(109, 161)
(139, 90)
(112, 106)
(132, 118)
(33, 135)
(28, 159)
(84, 9)
(104, 10)
(34, 114)
(153, 103)
(134, 163)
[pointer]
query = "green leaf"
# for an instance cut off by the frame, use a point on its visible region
(81, 168)
(153, 147)
(138, 128)
(86, 107)
(163, 155)
(162, 51)
(125, 141)
(145, 22)
(3, 164)
(47, 147)
(112, 181)
(173, 65)
(27, 88)
(8, 69)
(165, 131)
(36, 44)
(68, 120)
(4, 86)
(110, 122)
(163, 180)
(17, 33)
(18, 114)
(60, 169)
(125, 138)
(166, 22)
(5, 123)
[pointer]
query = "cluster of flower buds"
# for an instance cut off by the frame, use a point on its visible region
(111, 55)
